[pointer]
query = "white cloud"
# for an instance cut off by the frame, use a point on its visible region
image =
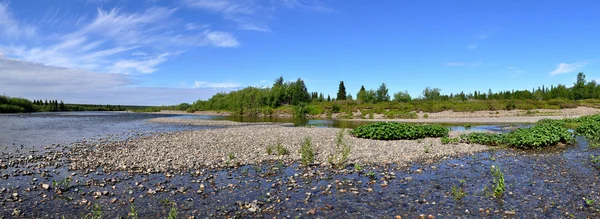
(118, 41)
(12, 29)
(38, 81)
(219, 39)
(314, 5)
(143, 66)
(206, 84)
(254, 15)
(195, 26)
(564, 68)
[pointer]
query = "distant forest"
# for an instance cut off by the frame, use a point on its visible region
(22, 105)
(284, 96)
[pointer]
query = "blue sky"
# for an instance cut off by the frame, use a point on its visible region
(163, 52)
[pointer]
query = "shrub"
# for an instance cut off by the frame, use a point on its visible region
(482, 138)
(498, 181)
(335, 108)
(538, 136)
(342, 151)
(396, 131)
(447, 140)
(307, 152)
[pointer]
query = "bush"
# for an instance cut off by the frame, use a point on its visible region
(447, 140)
(482, 138)
(335, 108)
(396, 131)
(5, 108)
(307, 152)
(538, 136)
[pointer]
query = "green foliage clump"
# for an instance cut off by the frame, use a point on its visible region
(482, 138)
(300, 114)
(396, 131)
(458, 193)
(307, 152)
(342, 151)
(498, 182)
(447, 140)
(538, 136)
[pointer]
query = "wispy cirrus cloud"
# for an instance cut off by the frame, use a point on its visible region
(468, 64)
(563, 68)
(456, 63)
(11, 28)
(206, 84)
(106, 42)
(254, 15)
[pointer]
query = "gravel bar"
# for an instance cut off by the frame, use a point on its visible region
(196, 149)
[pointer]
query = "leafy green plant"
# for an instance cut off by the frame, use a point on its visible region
(467, 126)
(458, 193)
(307, 152)
(357, 167)
(335, 108)
(425, 116)
(172, 213)
(538, 136)
(482, 138)
(62, 185)
(231, 156)
(281, 150)
(270, 149)
(133, 214)
(589, 202)
(426, 148)
(371, 175)
(447, 140)
(498, 181)
(96, 212)
(396, 131)
(342, 151)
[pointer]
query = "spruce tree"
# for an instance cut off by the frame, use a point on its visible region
(341, 95)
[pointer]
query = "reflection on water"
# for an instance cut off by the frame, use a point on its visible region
(36, 130)
(333, 123)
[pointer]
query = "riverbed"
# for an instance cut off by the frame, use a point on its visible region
(557, 182)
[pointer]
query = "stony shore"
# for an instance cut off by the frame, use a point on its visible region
(247, 145)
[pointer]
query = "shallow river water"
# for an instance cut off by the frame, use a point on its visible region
(553, 183)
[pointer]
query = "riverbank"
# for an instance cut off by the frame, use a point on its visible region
(444, 117)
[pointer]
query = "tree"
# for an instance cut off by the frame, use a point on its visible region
(381, 95)
(299, 93)
(579, 91)
(349, 97)
(61, 106)
(328, 98)
(402, 96)
(434, 94)
(362, 94)
(341, 94)
(321, 97)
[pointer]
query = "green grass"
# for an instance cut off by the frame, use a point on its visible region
(458, 193)
(499, 185)
(342, 151)
(307, 152)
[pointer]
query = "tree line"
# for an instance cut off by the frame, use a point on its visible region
(22, 105)
(255, 100)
